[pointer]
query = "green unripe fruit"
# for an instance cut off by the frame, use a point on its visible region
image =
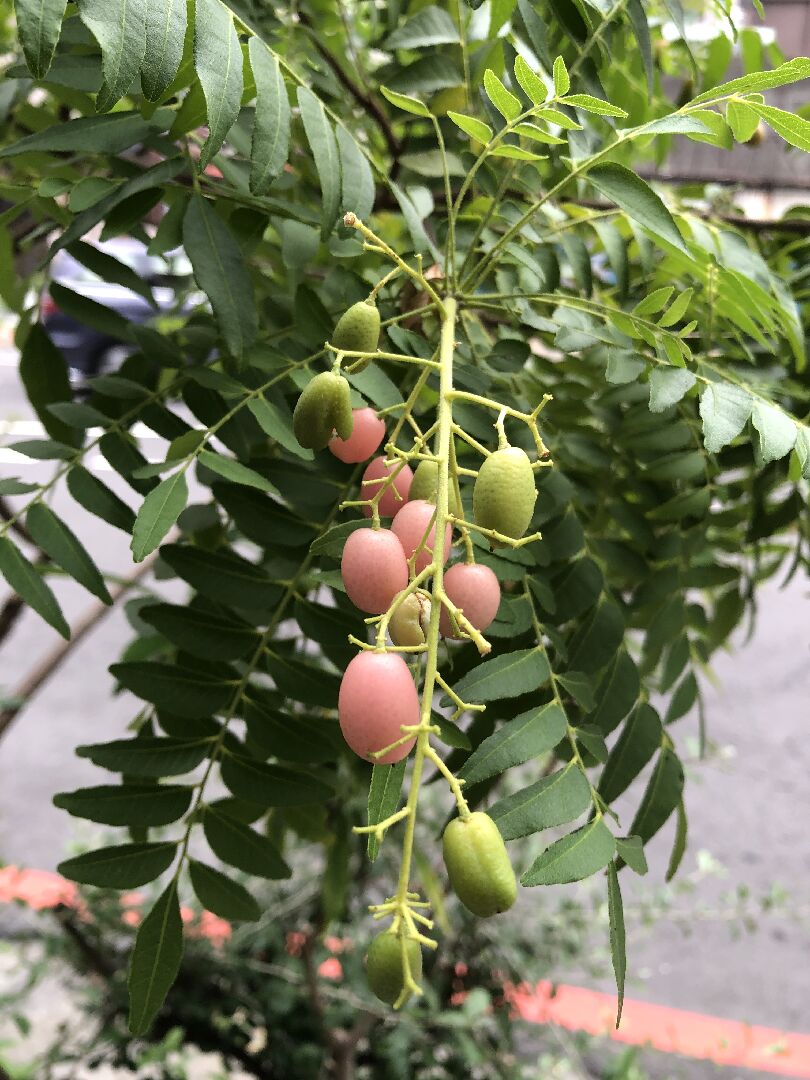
(324, 407)
(478, 865)
(384, 967)
(358, 330)
(426, 484)
(504, 494)
(409, 623)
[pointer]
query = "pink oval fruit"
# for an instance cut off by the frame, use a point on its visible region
(376, 470)
(475, 590)
(367, 434)
(410, 525)
(377, 696)
(374, 569)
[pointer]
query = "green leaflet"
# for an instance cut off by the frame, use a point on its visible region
(181, 691)
(637, 199)
(148, 756)
(120, 30)
(165, 32)
(617, 935)
(155, 960)
(24, 579)
(505, 676)
(44, 375)
(159, 511)
(383, 798)
(218, 893)
(218, 60)
(552, 800)
(127, 804)
(574, 857)
(527, 736)
(39, 24)
(55, 538)
(640, 738)
(124, 866)
(220, 271)
(240, 846)
(322, 143)
(271, 125)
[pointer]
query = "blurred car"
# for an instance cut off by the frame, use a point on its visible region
(89, 351)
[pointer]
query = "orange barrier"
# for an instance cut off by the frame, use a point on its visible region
(673, 1031)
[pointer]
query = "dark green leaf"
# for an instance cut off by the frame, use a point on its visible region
(124, 866)
(617, 942)
(679, 847)
(637, 199)
(218, 893)
(39, 24)
(553, 800)
(148, 756)
(662, 796)
(640, 738)
(321, 139)
(165, 33)
(218, 60)
(44, 374)
(159, 511)
(235, 471)
(201, 633)
(127, 804)
(240, 846)
(383, 798)
(430, 26)
(222, 576)
(271, 785)
(24, 580)
(121, 32)
(90, 493)
(504, 676)
(358, 190)
(220, 271)
(181, 691)
(155, 960)
(576, 856)
(271, 125)
(58, 541)
(527, 736)
(91, 135)
(631, 850)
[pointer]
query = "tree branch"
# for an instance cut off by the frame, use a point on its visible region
(370, 104)
(60, 652)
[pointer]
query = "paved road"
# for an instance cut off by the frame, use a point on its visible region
(747, 805)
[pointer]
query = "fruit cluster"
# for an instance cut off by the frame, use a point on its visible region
(393, 570)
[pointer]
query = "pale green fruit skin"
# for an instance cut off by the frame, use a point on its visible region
(504, 494)
(478, 865)
(358, 330)
(384, 965)
(407, 625)
(425, 485)
(325, 406)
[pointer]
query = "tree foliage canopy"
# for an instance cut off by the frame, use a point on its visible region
(493, 155)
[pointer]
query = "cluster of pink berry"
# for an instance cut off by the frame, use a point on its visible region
(378, 696)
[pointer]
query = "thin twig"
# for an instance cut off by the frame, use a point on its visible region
(369, 103)
(53, 660)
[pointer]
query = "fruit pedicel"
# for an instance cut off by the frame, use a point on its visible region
(397, 577)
